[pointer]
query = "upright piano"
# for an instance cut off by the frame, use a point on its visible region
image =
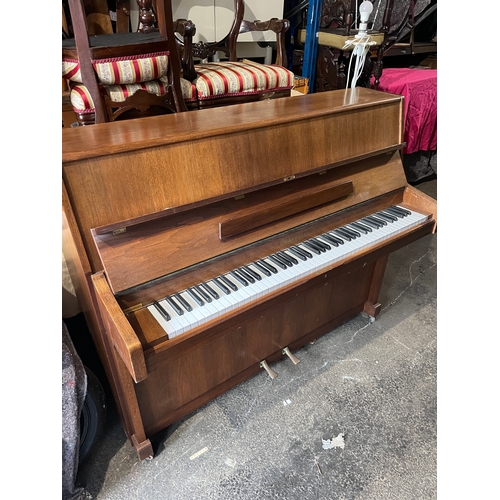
(205, 246)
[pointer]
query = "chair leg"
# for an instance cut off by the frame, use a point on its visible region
(85, 118)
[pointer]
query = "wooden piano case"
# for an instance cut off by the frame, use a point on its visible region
(155, 206)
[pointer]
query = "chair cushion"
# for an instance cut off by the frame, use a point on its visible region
(82, 102)
(226, 78)
(121, 70)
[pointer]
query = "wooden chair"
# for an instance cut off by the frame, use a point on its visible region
(230, 82)
(124, 75)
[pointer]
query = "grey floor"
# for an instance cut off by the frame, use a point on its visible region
(355, 419)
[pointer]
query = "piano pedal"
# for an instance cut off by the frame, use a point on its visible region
(270, 371)
(294, 359)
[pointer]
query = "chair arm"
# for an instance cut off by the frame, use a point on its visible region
(186, 30)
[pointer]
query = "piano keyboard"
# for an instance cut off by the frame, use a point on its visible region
(189, 308)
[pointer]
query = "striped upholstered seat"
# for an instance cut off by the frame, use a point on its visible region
(120, 78)
(123, 74)
(242, 78)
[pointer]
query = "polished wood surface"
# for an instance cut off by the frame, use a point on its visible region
(151, 211)
(130, 136)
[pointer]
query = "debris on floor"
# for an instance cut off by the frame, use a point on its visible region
(336, 442)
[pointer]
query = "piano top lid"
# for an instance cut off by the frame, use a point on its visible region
(131, 135)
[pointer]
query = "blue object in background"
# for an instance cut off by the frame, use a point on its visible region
(311, 43)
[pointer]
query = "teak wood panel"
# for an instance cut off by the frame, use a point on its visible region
(162, 246)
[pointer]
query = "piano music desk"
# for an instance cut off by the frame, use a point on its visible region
(157, 206)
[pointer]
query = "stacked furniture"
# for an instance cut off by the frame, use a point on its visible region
(151, 71)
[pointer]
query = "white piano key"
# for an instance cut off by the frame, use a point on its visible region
(169, 327)
(177, 319)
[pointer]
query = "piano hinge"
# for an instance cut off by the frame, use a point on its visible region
(239, 197)
(119, 231)
(289, 178)
(132, 309)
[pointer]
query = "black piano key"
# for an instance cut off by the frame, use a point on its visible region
(303, 251)
(401, 212)
(350, 230)
(195, 297)
(253, 273)
(176, 307)
(262, 269)
(345, 234)
(278, 262)
(316, 244)
(240, 278)
(311, 247)
(330, 239)
(245, 275)
(297, 253)
(376, 219)
(322, 244)
(340, 241)
(162, 311)
(183, 302)
(210, 290)
(229, 283)
(289, 257)
(204, 294)
(342, 235)
(268, 266)
(223, 287)
(285, 259)
(395, 212)
(374, 225)
(388, 217)
(363, 228)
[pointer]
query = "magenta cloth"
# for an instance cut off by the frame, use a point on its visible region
(419, 88)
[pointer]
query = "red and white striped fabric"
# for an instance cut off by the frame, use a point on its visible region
(121, 70)
(239, 78)
(82, 101)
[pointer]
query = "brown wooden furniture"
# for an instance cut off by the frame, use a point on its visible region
(333, 60)
(131, 74)
(152, 207)
(234, 81)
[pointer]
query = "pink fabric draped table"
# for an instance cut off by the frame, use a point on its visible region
(419, 88)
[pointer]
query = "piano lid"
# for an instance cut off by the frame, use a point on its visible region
(130, 135)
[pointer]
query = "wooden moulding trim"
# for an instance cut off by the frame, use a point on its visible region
(267, 215)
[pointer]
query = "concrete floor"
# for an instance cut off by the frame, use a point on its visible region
(355, 419)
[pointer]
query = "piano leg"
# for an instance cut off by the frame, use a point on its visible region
(127, 404)
(372, 306)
